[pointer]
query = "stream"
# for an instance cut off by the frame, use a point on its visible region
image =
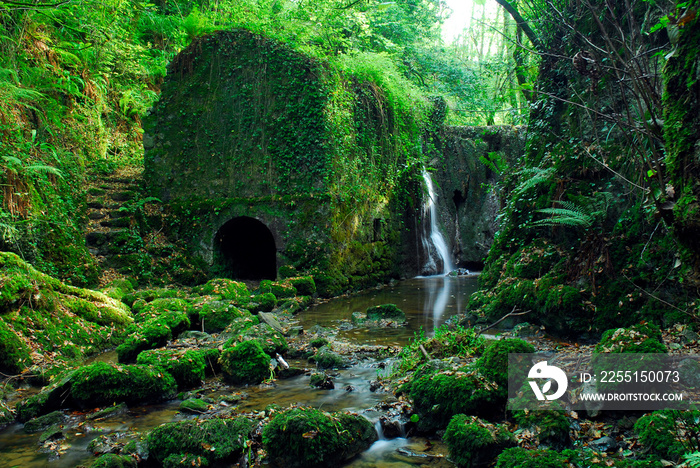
(428, 302)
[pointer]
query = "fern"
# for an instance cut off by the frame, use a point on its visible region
(533, 176)
(691, 460)
(571, 216)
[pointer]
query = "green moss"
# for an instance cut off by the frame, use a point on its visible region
(101, 384)
(186, 366)
(304, 285)
(281, 290)
(42, 423)
(245, 363)
(50, 398)
(494, 362)
(152, 334)
(14, 353)
(473, 442)
(226, 288)
(215, 316)
(212, 439)
(641, 338)
(552, 427)
(111, 460)
(287, 271)
(180, 459)
(318, 342)
(386, 312)
(437, 396)
(194, 405)
(305, 437)
(325, 358)
(272, 342)
(264, 302)
(518, 457)
(669, 433)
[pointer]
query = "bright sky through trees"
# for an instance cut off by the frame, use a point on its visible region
(461, 16)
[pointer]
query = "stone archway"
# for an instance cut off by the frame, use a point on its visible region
(244, 248)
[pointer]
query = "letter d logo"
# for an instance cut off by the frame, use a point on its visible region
(543, 371)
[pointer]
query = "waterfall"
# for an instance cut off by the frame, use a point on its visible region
(433, 243)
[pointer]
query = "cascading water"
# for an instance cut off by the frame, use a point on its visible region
(433, 242)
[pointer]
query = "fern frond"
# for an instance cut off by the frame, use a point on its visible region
(572, 216)
(537, 176)
(44, 169)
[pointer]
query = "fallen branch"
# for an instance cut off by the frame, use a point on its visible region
(425, 353)
(512, 313)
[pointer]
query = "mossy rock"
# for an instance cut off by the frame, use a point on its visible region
(216, 440)
(281, 290)
(100, 384)
(552, 427)
(194, 405)
(385, 312)
(264, 302)
(239, 325)
(178, 313)
(641, 338)
(325, 358)
(474, 442)
(186, 366)
(287, 271)
(111, 460)
(318, 342)
(215, 316)
(14, 352)
(152, 334)
(437, 396)
(304, 285)
(185, 459)
(518, 457)
(272, 342)
(662, 431)
(494, 362)
(50, 398)
(42, 423)
(245, 363)
(306, 437)
(148, 295)
(228, 289)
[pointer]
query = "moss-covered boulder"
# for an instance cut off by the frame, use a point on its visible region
(264, 302)
(171, 308)
(494, 362)
(640, 338)
(215, 316)
(216, 440)
(305, 437)
(281, 289)
(194, 405)
(111, 460)
(271, 341)
(245, 363)
(669, 433)
(42, 423)
(228, 289)
(101, 384)
(304, 285)
(474, 442)
(518, 457)
(552, 427)
(52, 397)
(326, 358)
(187, 366)
(152, 334)
(61, 324)
(385, 312)
(439, 395)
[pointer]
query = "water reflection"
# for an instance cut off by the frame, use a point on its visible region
(427, 301)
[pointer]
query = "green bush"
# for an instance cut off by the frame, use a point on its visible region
(102, 384)
(670, 433)
(518, 457)
(475, 442)
(304, 285)
(306, 437)
(494, 362)
(385, 312)
(213, 439)
(186, 366)
(245, 363)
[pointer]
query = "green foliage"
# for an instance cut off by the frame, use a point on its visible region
(670, 433)
(213, 439)
(245, 363)
(101, 384)
(306, 437)
(473, 442)
(446, 342)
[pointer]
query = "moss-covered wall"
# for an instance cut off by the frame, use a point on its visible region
(247, 126)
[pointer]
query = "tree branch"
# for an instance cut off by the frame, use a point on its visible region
(520, 21)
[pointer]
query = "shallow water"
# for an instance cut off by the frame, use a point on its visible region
(427, 302)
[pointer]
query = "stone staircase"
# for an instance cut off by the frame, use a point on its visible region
(110, 200)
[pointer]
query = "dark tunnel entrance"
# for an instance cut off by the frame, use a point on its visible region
(245, 249)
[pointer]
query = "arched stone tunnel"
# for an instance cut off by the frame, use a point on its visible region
(244, 248)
